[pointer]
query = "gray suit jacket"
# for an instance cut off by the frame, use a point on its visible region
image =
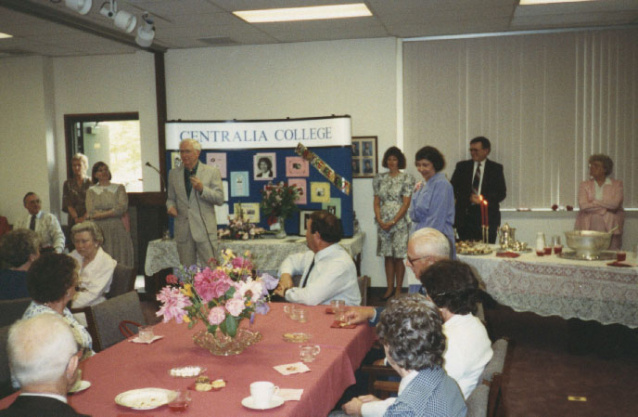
(189, 217)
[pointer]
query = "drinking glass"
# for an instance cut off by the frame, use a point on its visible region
(557, 244)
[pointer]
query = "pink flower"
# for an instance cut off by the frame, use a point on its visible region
(235, 306)
(240, 262)
(173, 305)
(217, 315)
(211, 284)
(171, 279)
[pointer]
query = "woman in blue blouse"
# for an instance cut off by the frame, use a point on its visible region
(432, 202)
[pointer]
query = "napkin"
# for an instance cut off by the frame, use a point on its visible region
(292, 368)
(290, 394)
(137, 340)
(341, 325)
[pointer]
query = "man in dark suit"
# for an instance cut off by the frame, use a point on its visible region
(474, 178)
(43, 357)
(193, 191)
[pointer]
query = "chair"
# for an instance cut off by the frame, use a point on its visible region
(381, 388)
(103, 320)
(497, 363)
(123, 281)
(5, 373)
(478, 401)
(364, 283)
(12, 310)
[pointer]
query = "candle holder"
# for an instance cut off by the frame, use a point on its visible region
(486, 233)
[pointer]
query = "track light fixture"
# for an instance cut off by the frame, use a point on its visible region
(123, 20)
(80, 6)
(146, 32)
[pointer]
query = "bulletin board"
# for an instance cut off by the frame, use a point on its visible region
(252, 154)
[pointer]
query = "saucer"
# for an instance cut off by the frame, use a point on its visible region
(275, 402)
(80, 386)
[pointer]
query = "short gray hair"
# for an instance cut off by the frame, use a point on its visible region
(195, 144)
(17, 245)
(82, 158)
(411, 329)
(91, 227)
(607, 163)
(40, 349)
(431, 242)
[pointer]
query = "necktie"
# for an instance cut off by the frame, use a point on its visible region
(477, 179)
(32, 223)
(189, 184)
(303, 281)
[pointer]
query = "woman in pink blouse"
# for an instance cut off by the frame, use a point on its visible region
(600, 201)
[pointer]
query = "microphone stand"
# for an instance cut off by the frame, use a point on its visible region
(162, 183)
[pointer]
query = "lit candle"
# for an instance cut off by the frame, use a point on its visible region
(487, 223)
(482, 210)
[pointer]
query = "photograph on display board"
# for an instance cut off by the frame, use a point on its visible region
(319, 192)
(334, 206)
(251, 211)
(297, 167)
(221, 214)
(264, 166)
(364, 160)
(239, 186)
(304, 216)
(176, 161)
(218, 160)
(303, 194)
(225, 187)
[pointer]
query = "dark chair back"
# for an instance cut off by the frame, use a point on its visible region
(5, 373)
(104, 319)
(364, 283)
(123, 281)
(12, 310)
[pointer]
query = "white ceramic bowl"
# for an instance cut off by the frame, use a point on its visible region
(587, 243)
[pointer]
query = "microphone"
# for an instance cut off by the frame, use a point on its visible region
(148, 164)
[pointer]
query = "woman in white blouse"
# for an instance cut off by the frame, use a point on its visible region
(96, 266)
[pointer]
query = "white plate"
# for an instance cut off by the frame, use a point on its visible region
(145, 398)
(80, 387)
(275, 402)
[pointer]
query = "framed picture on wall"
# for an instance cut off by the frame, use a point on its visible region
(364, 157)
(304, 216)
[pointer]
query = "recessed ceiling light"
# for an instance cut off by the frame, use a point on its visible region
(534, 2)
(5, 35)
(304, 13)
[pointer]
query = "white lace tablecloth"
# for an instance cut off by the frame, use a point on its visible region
(549, 285)
(267, 253)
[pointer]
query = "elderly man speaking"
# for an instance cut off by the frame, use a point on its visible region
(328, 272)
(43, 357)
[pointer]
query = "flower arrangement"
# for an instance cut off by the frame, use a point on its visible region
(219, 296)
(239, 227)
(278, 201)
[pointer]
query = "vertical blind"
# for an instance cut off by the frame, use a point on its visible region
(545, 101)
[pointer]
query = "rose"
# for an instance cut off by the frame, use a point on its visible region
(555, 207)
(235, 306)
(217, 315)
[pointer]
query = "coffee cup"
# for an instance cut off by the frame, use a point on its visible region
(308, 353)
(302, 315)
(262, 393)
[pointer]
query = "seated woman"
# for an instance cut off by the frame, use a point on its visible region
(411, 332)
(18, 249)
(600, 200)
(96, 266)
(52, 281)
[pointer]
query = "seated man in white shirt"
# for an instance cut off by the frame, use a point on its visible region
(46, 225)
(327, 270)
(454, 289)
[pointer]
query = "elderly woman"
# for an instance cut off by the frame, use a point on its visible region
(600, 200)
(410, 330)
(106, 204)
(96, 266)
(392, 192)
(453, 287)
(74, 190)
(52, 281)
(433, 199)
(18, 249)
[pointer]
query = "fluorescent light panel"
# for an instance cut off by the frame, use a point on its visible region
(304, 13)
(534, 2)
(5, 35)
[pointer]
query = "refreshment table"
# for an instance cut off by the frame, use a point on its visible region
(551, 285)
(128, 366)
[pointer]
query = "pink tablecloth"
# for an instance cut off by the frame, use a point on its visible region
(127, 366)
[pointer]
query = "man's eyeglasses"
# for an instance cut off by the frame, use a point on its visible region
(415, 260)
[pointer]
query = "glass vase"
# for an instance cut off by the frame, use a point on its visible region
(223, 345)
(282, 229)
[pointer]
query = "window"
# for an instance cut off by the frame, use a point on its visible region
(110, 138)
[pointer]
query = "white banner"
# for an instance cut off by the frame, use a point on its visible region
(329, 131)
